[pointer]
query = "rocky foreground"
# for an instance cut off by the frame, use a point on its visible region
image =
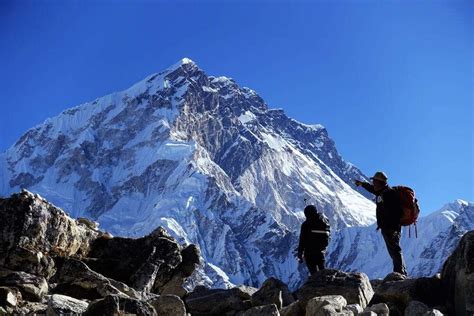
(52, 264)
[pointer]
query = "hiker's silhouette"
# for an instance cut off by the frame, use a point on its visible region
(314, 239)
(389, 212)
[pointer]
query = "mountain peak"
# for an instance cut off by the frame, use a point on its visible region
(180, 63)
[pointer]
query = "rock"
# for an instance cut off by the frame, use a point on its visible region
(367, 313)
(416, 308)
(433, 312)
(394, 276)
(87, 222)
(327, 310)
(375, 283)
(273, 291)
(265, 310)
(354, 287)
(61, 304)
(217, 301)
(32, 287)
(30, 308)
(250, 290)
(401, 293)
(315, 305)
(30, 222)
(118, 305)
(9, 297)
(355, 308)
(30, 261)
(151, 263)
(174, 286)
(168, 305)
(379, 309)
(75, 279)
(294, 309)
(124, 288)
(458, 277)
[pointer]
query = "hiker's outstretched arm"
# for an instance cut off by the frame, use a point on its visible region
(369, 187)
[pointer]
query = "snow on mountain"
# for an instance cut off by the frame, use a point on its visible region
(214, 165)
(363, 248)
(199, 155)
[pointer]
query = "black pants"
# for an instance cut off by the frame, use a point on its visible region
(315, 261)
(392, 240)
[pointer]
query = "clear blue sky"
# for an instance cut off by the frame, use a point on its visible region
(391, 80)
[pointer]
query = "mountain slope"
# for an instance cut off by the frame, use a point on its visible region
(200, 155)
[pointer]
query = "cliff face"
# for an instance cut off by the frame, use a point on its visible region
(45, 254)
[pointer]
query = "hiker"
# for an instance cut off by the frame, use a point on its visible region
(314, 239)
(389, 213)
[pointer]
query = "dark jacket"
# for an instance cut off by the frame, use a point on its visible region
(389, 207)
(314, 235)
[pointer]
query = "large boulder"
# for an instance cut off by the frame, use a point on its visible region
(168, 305)
(322, 304)
(354, 287)
(398, 294)
(29, 308)
(75, 279)
(32, 287)
(113, 305)
(9, 297)
(217, 301)
(152, 263)
(61, 305)
(265, 310)
(458, 277)
(30, 222)
(273, 291)
(380, 309)
(294, 309)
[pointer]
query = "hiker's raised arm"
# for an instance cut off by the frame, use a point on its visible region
(369, 187)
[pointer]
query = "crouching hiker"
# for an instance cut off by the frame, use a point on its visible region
(314, 239)
(388, 212)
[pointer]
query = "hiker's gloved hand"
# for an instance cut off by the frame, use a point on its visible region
(358, 183)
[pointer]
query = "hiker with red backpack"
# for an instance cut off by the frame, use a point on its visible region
(389, 212)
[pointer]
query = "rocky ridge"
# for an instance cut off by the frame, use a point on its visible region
(54, 265)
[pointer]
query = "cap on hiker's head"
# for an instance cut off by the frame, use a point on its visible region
(379, 175)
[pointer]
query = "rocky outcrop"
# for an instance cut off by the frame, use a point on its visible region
(217, 301)
(273, 291)
(398, 291)
(105, 275)
(458, 277)
(51, 263)
(355, 287)
(61, 304)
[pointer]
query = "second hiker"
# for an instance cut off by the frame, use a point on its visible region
(388, 212)
(314, 239)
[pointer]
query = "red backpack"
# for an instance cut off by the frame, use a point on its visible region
(410, 207)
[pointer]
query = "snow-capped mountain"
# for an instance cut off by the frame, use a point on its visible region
(199, 155)
(214, 165)
(363, 248)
